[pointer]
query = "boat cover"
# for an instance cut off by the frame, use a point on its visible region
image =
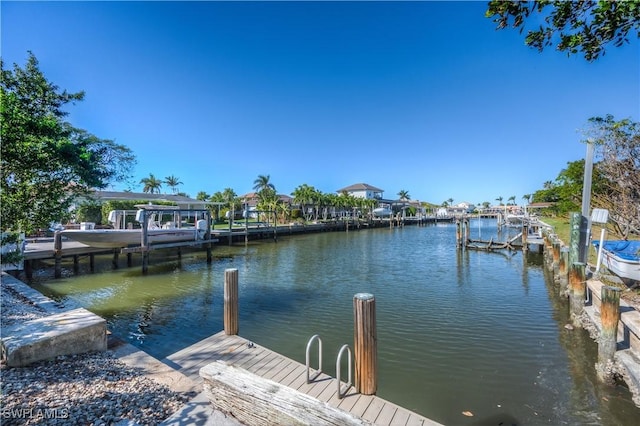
(624, 249)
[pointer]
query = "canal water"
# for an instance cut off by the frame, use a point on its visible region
(463, 337)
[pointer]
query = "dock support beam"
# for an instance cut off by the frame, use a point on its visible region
(365, 343)
(231, 325)
(57, 252)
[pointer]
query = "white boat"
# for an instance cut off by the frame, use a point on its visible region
(382, 212)
(116, 238)
(158, 232)
(621, 257)
(515, 220)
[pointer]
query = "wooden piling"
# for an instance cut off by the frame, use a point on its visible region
(114, 260)
(562, 270)
(577, 291)
(458, 234)
(556, 259)
(607, 342)
(92, 262)
(28, 269)
(365, 343)
(231, 325)
(57, 252)
(525, 235)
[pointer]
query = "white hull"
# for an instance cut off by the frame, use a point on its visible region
(382, 212)
(116, 238)
(621, 267)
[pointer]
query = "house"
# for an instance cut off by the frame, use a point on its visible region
(362, 190)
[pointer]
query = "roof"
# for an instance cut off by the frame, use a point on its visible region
(253, 196)
(144, 196)
(540, 205)
(360, 187)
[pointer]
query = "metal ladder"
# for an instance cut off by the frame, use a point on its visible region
(344, 348)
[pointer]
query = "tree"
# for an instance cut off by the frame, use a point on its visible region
(511, 200)
(262, 183)
(151, 184)
(566, 191)
(173, 182)
(46, 162)
(202, 196)
(404, 195)
(574, 26)
(618, 163)
(499, 200)
(526, 197)
(307, 197)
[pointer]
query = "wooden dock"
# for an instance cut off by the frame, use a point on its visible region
(267, 364)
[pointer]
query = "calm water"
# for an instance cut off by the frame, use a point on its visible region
(472, 331)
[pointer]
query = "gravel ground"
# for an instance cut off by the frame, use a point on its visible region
(87, 389)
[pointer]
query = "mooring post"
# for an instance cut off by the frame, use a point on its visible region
(525, 234)
(57, 252)
(365, 343)
(92, 262)
(467, 231)
(577, 291)
(458, 233)
(556, 259)
(562, 270)
(231, 325)
(609, 316)
(207, 236)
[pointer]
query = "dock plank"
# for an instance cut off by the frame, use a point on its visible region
(268, 364)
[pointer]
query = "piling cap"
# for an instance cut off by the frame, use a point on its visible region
(363, 296)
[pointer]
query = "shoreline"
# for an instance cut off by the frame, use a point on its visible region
(122, 385)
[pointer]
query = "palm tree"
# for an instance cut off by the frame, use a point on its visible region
(230, 197)
(404, 195)
(512, 199)
(262, 183)
(450, 202)
(527, 198)
(499, 200)
(151, 184)
(305, 195)
(173, 182)
(202, 196)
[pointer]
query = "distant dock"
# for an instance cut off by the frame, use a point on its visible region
(57, 248)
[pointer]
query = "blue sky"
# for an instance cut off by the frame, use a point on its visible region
(426, 97)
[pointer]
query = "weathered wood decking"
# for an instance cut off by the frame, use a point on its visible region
(265, 363)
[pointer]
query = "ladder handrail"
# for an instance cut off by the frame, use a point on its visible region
(319, 371)
(342, 349)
